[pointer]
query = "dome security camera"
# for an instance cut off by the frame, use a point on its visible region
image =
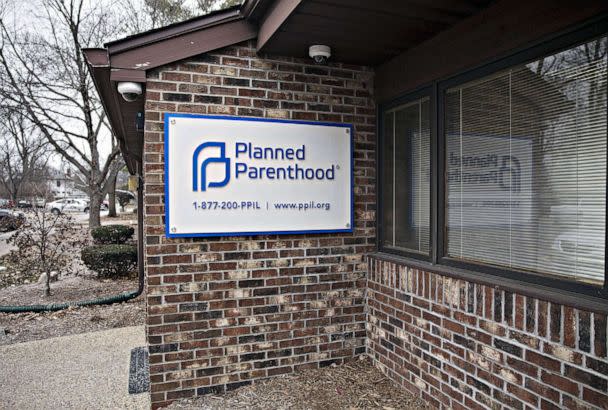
(319, 53)
(129, 90)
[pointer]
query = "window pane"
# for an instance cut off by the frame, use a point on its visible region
(409, 126)
(526, 166)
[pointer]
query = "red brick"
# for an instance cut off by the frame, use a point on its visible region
(560, 383)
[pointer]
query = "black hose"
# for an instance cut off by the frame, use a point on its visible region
(123, 297)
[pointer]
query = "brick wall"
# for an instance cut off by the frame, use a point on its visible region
(223, 312)
(463, 345)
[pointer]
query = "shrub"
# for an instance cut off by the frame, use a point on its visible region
(116, 234)
(110, 261)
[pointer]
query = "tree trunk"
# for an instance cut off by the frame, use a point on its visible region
(47, 284)
(112, 196)
(14, 198)
(94, 208)
(47, 288)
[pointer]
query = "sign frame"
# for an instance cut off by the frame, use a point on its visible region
(169, 115)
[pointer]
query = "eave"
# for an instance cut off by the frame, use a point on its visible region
(130, 58)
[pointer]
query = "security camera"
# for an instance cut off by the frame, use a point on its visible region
(129, 90)
(320, 54)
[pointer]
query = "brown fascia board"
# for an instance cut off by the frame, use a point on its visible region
(137, 76)
(278, 13)
(195, 36)
(172, 30)
(96, 57)
(186, 45)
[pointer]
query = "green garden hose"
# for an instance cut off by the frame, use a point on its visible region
(123, 297)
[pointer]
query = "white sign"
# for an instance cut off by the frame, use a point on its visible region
(247, 176)
(489, 180)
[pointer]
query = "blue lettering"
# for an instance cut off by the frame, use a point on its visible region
(240, 168)
(241, 148)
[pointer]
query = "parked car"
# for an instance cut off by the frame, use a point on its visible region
(23, 204)
(10, 220)
(68, 205)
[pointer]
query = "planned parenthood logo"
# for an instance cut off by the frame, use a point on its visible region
(222, 159)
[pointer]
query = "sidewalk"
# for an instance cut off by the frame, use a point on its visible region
(85, 371)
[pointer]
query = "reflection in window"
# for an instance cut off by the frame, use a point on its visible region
(406, 177)
(526, 166)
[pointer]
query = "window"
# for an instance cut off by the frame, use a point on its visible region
(520, 168)
(406, 177)
(526, 166)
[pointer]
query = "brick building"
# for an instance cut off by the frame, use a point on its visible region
(474, 275)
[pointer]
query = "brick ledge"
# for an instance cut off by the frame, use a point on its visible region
(548, 294)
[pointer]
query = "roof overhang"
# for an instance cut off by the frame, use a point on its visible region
(128, 59)
(359, 31)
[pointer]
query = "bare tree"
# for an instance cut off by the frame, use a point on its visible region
(142, 15)
(206, 6)
(44, 72)
(24, 154)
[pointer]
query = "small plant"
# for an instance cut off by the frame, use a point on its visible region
(112, 234)
(110, 261)
(44, 241)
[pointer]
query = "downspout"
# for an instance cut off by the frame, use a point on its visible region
(122, 297)
(140, 228)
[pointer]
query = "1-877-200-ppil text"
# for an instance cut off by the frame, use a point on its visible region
(257, 205)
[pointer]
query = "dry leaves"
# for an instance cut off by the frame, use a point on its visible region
(356, 385)
(24, 327)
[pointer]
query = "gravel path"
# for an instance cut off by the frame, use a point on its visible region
(356, 385)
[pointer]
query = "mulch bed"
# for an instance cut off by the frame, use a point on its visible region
(10, 276)
(67, 289)
(25, 327)
(355, 385)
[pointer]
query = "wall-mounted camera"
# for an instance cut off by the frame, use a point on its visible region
(319, 53)
(130, 91)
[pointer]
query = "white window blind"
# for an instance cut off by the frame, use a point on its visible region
(526, 166)
(406, 177)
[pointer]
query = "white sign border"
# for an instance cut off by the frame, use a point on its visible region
(169, 234)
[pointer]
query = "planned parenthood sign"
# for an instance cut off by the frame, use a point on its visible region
(228, 176)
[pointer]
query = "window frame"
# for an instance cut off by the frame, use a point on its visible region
(423, 92)
(436, 91)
